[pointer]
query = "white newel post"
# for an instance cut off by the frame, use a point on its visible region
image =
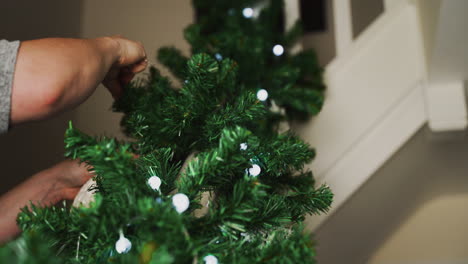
(292, 14)
(446, 106)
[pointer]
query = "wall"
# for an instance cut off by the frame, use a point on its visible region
(429, 15)
(448, 56)
(412, 210)
(32, 147)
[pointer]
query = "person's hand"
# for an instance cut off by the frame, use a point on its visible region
(132, 60)
(68, 176)
(60, 182)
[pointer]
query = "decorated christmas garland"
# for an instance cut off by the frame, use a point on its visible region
(208, 178)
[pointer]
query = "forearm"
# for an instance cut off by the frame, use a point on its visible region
(55, 74)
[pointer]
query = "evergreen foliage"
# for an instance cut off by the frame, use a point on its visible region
(251, 217)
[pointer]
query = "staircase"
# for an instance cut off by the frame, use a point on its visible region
(379, 95)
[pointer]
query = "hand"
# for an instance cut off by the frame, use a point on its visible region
(67, 177)
(48, 187)
(132, 60)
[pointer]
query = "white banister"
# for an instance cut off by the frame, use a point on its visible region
(343, 25)
(292, 14)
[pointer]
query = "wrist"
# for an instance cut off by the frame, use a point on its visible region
(110, 48)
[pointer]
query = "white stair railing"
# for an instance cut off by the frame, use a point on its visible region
(343, 25)
(374, 100)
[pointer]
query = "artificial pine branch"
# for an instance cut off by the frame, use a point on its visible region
(260, 190)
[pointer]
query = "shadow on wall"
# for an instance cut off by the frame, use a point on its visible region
(30, 148)
(391, 218)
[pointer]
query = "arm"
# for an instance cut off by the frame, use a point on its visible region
(61, 182)
(56, 74)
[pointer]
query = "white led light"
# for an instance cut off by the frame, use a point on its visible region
(262, 95)
(154, 182)
(123, 245)
(278, 50)
(218, 56)
(210, 259)
(248, 12)
(243, 146)
(180, 202)
(255, 170)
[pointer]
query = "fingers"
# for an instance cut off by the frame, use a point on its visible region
(131, 53)
(131, 60)
(140, 66)
(69, 193)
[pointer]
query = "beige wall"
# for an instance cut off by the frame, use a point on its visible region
(429, 15)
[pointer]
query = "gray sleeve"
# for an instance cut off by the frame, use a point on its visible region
(8, 51)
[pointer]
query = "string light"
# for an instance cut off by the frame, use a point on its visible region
(123, 245)
(180, 202)
(154, 182)
(210, 259)
(255, 170)
(248, 12)
(278, 50)
(243, 146)
(218, 56)
(262, 95)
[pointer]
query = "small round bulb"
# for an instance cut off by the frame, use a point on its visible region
(180, 202)
(154, 182)
(248, 12)
(123, 245)
(262, 95)
(278, 50)
(210, 259)
(255, 170)
(243, 146)
(218, 56)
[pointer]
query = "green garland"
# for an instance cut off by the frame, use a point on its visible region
(259, 191)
